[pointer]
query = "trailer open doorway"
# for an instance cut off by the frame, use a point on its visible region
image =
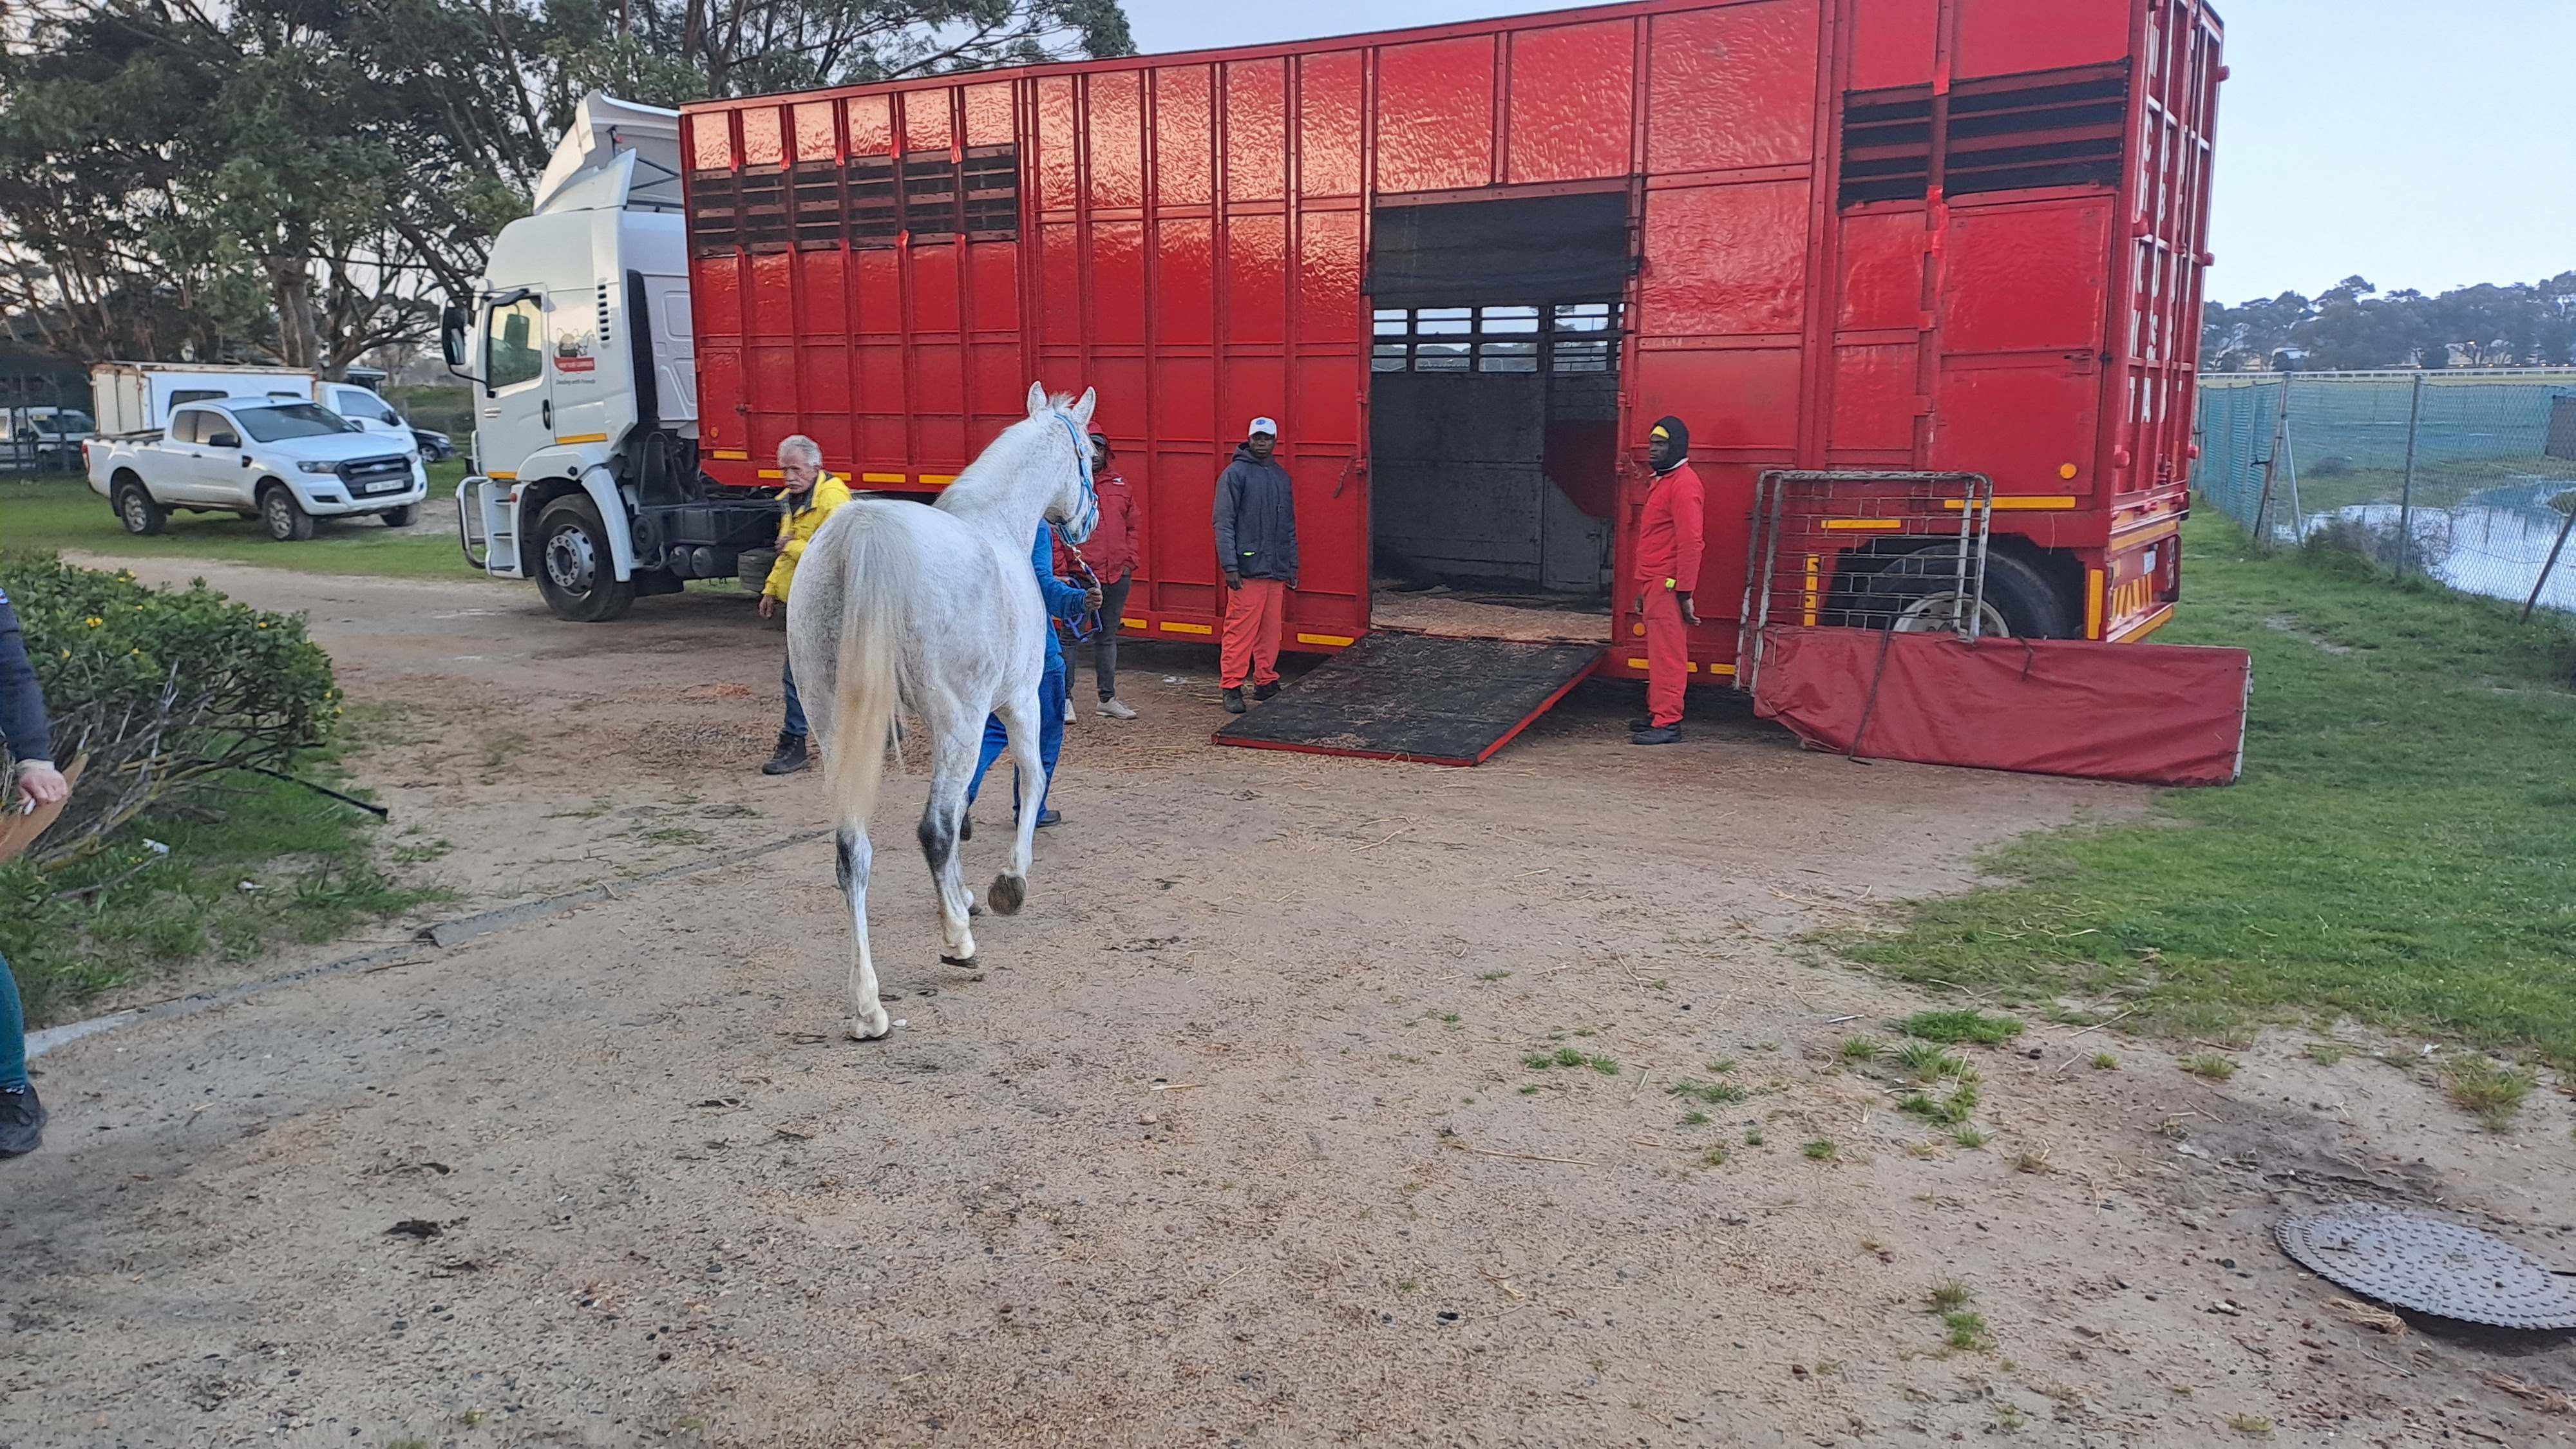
(1494, 413)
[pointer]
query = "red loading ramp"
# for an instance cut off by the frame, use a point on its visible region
(1417, 697)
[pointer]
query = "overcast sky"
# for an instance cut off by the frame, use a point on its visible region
(2418, 144)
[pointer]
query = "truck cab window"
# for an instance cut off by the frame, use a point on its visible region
(188, 427)
(510, 344)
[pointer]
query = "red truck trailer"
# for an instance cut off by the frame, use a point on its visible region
(1465, 266)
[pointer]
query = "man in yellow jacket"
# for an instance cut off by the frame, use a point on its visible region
(810, 495)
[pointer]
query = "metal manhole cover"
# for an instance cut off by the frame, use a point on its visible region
(2432, 1266)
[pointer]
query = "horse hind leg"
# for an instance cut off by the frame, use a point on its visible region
(867, 1014)
(1010, 889)
(942, 821)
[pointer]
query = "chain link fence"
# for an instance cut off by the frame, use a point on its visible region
(2468, 478)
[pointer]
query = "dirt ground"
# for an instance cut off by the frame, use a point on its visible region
(1232, 1141)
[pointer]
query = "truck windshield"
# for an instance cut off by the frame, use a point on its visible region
(295, 420)
(65, 421)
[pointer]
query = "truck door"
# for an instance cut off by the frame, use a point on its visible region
(186, 464)
(514, 421)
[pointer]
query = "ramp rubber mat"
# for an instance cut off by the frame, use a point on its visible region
(1417, 697)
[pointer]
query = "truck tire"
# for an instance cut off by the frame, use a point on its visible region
(402, 517)
(283, 517)
(1919, 591)
(135, 509)
(575, 570)
(751, 569)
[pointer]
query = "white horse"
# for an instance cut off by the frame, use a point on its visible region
(934, 611)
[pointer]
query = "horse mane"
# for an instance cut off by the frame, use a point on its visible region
(1002, 459)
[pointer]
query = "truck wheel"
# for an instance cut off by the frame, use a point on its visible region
(751, 569)
(135, 509)
(575, 570)
(1919, 590)
(283, 517)
(402, 517)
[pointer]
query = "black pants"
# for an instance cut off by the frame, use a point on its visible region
(1104, 645)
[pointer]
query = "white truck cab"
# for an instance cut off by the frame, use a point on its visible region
(282, 460)
(578, 346)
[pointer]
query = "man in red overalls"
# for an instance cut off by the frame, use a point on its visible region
(1668, 555)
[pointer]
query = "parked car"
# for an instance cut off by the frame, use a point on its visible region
(435, 447)
(282, 461)
(46, 438)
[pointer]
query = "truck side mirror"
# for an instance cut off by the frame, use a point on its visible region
(224, 440)
(451, 336)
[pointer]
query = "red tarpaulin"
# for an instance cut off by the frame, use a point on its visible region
(2160, 714)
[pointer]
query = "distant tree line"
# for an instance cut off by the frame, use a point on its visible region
(303, 181)
(2354, 325)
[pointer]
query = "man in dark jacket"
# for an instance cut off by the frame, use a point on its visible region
(1256, 545)
(22, 723)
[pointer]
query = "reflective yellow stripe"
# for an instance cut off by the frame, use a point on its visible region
(2022, 504)
(582, 438)
(2145, 626)
(1334, 639)
(881, 477)
(938, 480)
(1132, 623)
(2092, 603)
(1807, 605)
(504, 477)
(1171, 628)
(1863, 525)
(771, 473)
(732, 453)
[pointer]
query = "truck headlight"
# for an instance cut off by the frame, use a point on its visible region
(319, 467)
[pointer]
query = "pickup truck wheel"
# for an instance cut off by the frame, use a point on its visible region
(135, 509)
(402, 517)
(283, 517)
(575, 570)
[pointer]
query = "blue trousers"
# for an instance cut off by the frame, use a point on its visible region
(1050, 737)
(13, 1031)
(795, 707)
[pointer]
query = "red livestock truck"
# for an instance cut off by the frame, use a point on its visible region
(1464, 267)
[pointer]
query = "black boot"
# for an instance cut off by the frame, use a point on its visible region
(791, 756)
(22, 1122)
(1264, 691)
(1234, 700)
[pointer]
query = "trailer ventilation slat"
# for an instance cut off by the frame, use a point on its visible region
(873, 221)
(764, 208)
(930, 197)
(1887, 145)
(818, 205)
(714, 223)
(991, 178)
(2061, 129)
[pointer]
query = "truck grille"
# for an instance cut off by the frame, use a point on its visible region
(376, 475)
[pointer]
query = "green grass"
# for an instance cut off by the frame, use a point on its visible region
(2489, 1091)
(63, 514)
(2209, 1066)
(308, 857)
(1951, 1027)
(1716, 1094)
(1966, 1331)
(2398, 851)
(1823, 1150)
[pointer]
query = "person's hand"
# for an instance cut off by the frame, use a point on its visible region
(1091, 598)
(1641, 603)
(1233, 580)
(1689, 614)
(43, 785)
(769, 606)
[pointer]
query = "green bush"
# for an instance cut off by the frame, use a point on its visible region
(160, 689)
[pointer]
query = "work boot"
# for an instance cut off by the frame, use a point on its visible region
(1641, 722)
(1047, 818)
(1264, 691)
(791, 756)
(1113, 708)
(1656, 735)
(1234, 700)
(22, 1122)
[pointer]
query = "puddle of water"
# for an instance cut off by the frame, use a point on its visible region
(2492, 543)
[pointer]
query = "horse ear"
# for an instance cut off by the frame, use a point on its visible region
(1082, 409)
(1037, 398)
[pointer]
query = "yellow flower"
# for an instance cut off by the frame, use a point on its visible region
(94, 621)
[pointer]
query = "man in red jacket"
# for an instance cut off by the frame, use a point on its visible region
(1668, 555)
(1113, 551)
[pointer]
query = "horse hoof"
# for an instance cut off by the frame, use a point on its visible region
(969, 962)
(870, 1027)
(1007, 894)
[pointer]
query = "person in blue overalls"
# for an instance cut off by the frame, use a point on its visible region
(1064, 603)
(22, 723)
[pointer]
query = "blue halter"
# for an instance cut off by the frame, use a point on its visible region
(1082, 457)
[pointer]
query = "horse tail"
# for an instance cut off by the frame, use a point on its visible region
(879, 574)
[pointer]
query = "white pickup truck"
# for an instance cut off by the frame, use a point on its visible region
(279, 460)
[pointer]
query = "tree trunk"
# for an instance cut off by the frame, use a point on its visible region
(291, 283)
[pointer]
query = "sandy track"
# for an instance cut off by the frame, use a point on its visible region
(672, 1205)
